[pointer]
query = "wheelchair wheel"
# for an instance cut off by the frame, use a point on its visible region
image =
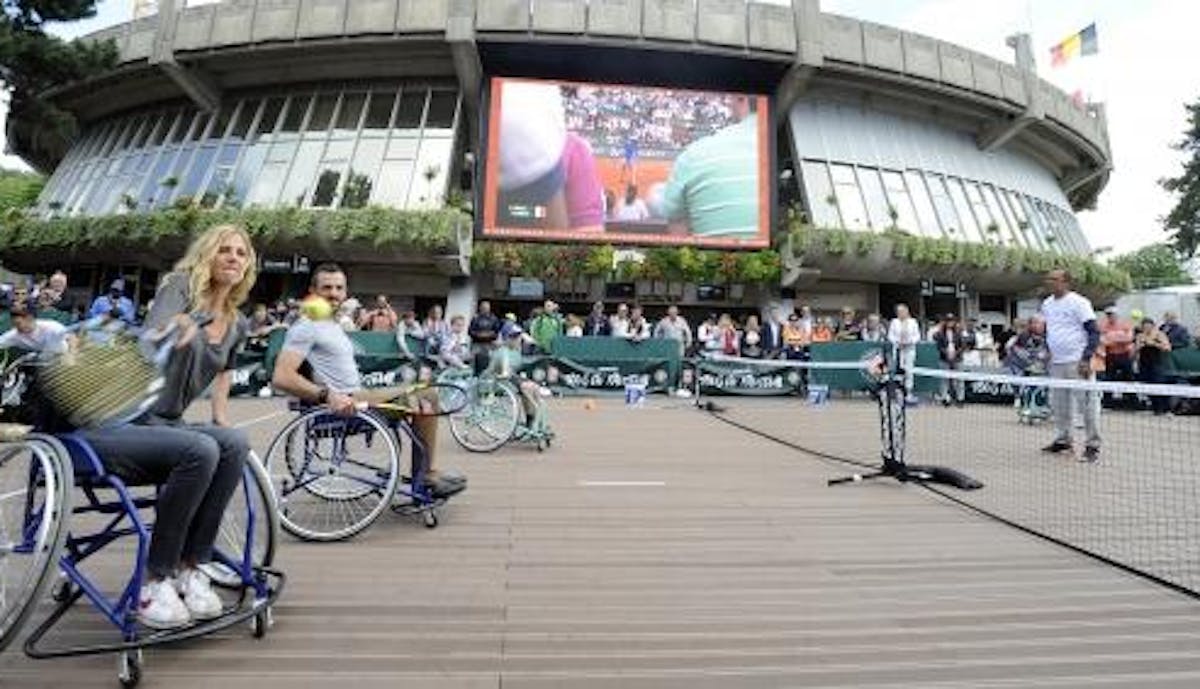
(252, 513)
(490, 417)
(36, 482)
(333, 476)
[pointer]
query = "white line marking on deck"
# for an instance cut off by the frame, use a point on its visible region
(259, 419)
(620, 484)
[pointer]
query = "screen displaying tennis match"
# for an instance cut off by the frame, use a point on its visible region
(626, 164)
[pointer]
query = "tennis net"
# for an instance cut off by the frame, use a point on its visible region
(1134, 503)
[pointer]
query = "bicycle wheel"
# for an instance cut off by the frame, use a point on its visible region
(249, 529)
(36, 481)
(332, 476)
(490, 417)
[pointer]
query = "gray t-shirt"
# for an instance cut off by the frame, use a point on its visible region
(329, 351)
(189, 371)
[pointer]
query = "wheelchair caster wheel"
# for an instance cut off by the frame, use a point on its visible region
(542, 444)
(261, 622)
(62, 592)
(129, 669)
(431, 520)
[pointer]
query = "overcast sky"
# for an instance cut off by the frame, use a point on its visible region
(1145, 72)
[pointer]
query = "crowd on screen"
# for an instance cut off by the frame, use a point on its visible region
(625, 122)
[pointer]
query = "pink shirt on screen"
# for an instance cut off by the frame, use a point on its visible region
(585, 195)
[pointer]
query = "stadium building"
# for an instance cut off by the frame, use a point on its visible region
(337, 104)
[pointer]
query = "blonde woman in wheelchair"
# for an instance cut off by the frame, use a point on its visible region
(198, 466)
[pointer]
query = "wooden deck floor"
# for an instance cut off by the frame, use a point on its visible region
(733, 565)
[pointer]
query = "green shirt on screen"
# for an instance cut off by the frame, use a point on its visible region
(714, 183)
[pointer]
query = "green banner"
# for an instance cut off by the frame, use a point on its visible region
(565, 374)
(740, 378)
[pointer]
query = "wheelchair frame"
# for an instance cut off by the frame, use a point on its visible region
(516, 430)
(318, 423)
(259, 588)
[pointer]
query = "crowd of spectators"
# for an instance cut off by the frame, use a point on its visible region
(624, 122)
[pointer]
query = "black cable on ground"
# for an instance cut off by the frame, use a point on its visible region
(787, 443)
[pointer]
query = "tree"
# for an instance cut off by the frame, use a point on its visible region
(1184, 219)
(32, 61)
(1156, 265)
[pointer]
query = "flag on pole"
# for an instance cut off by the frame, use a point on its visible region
(1075, 45)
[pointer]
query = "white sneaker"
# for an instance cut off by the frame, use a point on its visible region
(159, 606)
(196, 591)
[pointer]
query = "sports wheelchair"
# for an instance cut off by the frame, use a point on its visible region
(335, 475)
(59, 504)
(495, 416)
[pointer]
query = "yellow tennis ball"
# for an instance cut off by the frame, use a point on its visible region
(316, 308)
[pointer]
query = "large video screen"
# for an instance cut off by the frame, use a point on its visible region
(626, 164)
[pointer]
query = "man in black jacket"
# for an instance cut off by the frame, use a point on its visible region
(951, 345)
(484, 330)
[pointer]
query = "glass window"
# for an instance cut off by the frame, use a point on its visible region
(339, 149)
(143, 131)
(1037, 229)
(322, 113)
(442, 107)
(849, 197)
(270, 116)
(970, 230)
(245, 118)
(245, 175)
(1024, 232)
(432, 170)
(900, 203)
(327, 186)
(989, 228)
(877, 203)
(379, 112)
(200, 126)
(350, 112)
(359, 181)
(411, 109)
(822, 204)
(999, 215)
(192, 184)
(162, 126)
(221, 123)
(946, 212)
(403, 148)
(182, 126)
(267, 185)
(297, 109)
(299, 179)
(392, 187)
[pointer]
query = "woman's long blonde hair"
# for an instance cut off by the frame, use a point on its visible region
(197, 265)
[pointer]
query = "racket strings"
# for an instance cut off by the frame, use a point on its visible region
(98, 382)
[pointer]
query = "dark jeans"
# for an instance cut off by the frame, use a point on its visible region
(1161, 404)
(198, 466)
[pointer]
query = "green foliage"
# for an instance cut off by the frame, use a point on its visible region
(1156, 265)
(1184, 219)
(19, 190)
(426, 231)
(32, 62)
(929, 251)
(682, 264)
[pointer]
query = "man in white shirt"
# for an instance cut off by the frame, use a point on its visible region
(31, 334)
(675, 327)
(904, 334)
(1072, 336)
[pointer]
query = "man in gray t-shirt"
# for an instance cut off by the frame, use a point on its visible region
(335, 378)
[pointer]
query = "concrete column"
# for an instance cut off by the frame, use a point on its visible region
(463, 296)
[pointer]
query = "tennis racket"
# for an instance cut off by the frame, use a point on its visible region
(107, 378)
(423, 399)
